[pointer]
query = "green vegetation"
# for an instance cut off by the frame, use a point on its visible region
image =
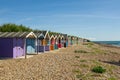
(97, 50)
(76, 65)
(98, 69)
(81, 65)
(9, 27)
(80, 51)
(77, 56)
(96, 62)
(79, 76)
(76, 71)
(114, 52)
(84, 65)
(82, 60)
(112, 78)
(54, 33)
(89, 43)
(14, 28)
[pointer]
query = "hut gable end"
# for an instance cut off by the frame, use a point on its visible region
(46, 35)
(31, 35)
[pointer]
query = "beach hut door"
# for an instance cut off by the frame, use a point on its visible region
(30, 46)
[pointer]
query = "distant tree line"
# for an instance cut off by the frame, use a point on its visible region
(14, 28)
(10, 27)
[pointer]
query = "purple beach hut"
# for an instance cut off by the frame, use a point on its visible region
(16, 44)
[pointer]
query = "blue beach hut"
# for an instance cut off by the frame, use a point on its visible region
(30, 43)
(56, 42)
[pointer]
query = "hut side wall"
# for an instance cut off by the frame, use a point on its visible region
(59, 43)
(52, 42)
(77, 41)
(47, 45)
(41, 49)
(56, 44)
(18, 47)
(6, 47)
(62, 42)
(41, 45)
(71, 42)
(67, 43)
(47, 48)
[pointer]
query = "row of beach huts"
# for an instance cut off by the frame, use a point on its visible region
(21, 44)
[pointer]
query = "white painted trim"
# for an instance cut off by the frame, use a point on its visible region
(31, 33)
(62, 37)
(52, 37)
(55, 37)
(41, 35)
(59, 36)
(46, 35)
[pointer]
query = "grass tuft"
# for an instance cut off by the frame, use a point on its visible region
(77, 56)
(98, 69)
(112, 78)
(79, 76)
(80, 51)
(83, 61)
(76, 71)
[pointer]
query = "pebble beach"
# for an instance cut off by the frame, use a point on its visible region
(65, 64)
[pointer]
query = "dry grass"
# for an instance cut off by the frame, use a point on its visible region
(64, 65)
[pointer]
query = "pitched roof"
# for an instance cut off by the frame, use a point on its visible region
(51, 34)
(14, 34)
(44, 32)
(39, 35)
(65, 35)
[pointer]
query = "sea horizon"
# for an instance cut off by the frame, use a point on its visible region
(114, 43)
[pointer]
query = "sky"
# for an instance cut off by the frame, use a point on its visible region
(97, 20)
